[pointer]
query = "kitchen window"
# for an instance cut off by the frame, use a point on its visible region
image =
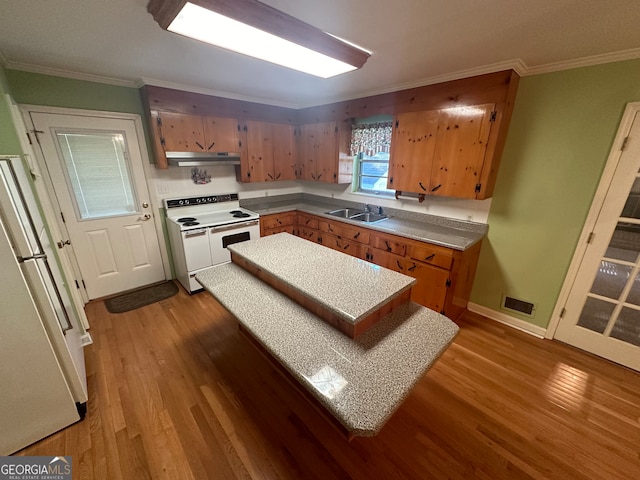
(371, 144)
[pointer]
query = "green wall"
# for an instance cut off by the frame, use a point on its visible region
(560, 136)
(9, 142)
(37, 89)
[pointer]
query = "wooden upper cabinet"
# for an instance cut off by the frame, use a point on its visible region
(460, 150)
(220, 134)
(323, 153)
(193, 133)
(412, 147)
(441, 152)
(268, 152)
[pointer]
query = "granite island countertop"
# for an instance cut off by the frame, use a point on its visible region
(361, 382)
(455, 234)
(347, 286)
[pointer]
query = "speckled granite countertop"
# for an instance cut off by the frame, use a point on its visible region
(455, 234)
(347, 286)
(360, 382)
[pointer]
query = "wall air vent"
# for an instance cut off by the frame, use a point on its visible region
(520, 306)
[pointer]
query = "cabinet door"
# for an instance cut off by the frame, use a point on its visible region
(460, 150)
(319, 152)
(341, 244)
(284, 152)
(345, 231)
(309, 147)
(220, 134)
(257, 164)
(327, 160)
(431, 287)
(412, 149)
(182, 133)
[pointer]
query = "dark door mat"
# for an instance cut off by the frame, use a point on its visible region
(140, 298)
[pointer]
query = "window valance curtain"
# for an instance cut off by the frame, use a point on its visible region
(371, 138)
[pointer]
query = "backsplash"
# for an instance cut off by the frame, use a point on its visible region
(177, 182)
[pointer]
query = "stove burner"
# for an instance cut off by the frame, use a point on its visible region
(233, 212)
(186, 219)
(191, 224)
(241, 215)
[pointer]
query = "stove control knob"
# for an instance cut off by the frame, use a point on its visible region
(180, 202)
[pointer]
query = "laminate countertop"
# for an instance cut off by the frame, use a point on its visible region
(361, 382)
(347, 286)
(450, 233)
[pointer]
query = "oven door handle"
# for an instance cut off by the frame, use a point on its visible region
(195, 233)
(234, 226)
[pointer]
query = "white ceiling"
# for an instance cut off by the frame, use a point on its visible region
(414, 42)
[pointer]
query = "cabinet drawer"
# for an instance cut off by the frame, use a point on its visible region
(350, 233)
(432, 254)
(307, 221)
(389, 244)
(341, 244)
(272, 231)
(278, 220)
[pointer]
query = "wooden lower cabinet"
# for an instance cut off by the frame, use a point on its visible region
(444, 276)
(277, 223)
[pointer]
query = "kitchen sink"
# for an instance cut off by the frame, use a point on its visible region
(346, 212)
(369, 217)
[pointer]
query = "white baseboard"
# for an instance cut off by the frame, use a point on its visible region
(500, 317)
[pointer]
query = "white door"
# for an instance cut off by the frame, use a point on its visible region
(602, 310)
(95, 165)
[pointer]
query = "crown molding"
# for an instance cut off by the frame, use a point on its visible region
(517, 65)
(591, 61)
(59, 72)
(216, 93)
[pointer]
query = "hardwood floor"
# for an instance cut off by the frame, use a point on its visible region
(176, 393)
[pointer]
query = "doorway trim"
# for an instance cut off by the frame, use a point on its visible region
(630, 112)
(52, 217)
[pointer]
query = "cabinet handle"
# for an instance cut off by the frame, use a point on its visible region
(270, 176)
(391, 181)
(436, 188)
(388, 246)
(346, 246)
(313, 176)
(399, 265)
(319, 176)
(429, 257)
(412, 268)
(211, 146)
(278, 176)
(422, 186)
(356, 235)
(201, 147)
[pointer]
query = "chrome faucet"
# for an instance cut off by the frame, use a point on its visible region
(368, 208)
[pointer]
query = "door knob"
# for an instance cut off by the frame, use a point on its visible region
(145, 205)
(146, 216)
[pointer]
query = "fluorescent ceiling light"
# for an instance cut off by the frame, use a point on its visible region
(253, 32)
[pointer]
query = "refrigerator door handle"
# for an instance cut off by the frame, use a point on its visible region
(37, 256)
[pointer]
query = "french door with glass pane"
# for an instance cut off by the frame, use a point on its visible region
(96, 169)
(602, 311)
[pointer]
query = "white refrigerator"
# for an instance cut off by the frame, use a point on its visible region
(43, 386)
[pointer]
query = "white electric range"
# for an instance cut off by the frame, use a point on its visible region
(201, 228)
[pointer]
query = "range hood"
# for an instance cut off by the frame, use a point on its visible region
(200, 159)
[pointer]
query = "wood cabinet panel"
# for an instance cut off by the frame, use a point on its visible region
(220, 134)
(268, 152)
(431, 254)
(389, 243)
(344, 245)
(432, 285)
(356, 234)
(182, 133)
(307, 233)
(308, 221)
(277, 222)
(412, 151)
(460, 150)
(283, 141)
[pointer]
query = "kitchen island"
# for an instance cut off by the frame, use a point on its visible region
(360, 382)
